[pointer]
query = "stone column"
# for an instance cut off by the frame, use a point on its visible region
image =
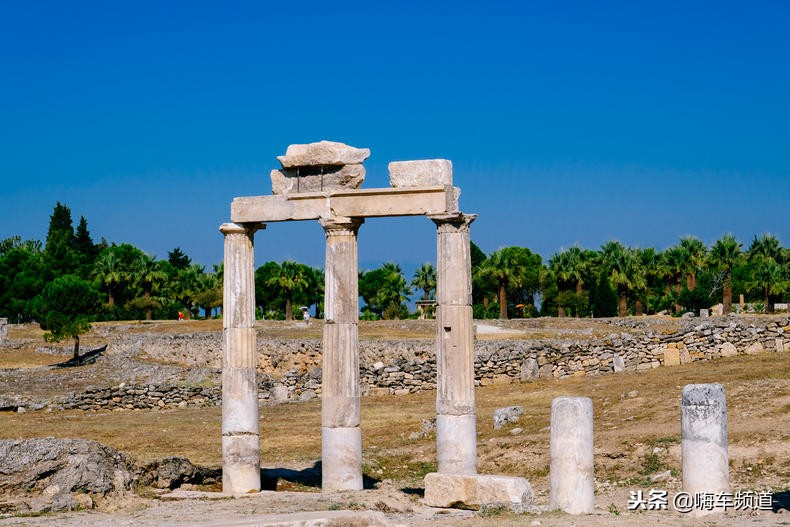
(571, 480)
(241, 467)
(341, 437)
(704, 453)
(456, 430)
(4, 329)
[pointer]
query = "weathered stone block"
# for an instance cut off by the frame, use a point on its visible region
(329, 177)
(780, 345)
(422, 173)
(323, 153)
(671, 357)
(755, 348)
(529, 369)
(510, 414)
(618, 363)
(728, 349)
(472, 491)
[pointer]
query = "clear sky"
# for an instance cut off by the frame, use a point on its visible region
(567, 122)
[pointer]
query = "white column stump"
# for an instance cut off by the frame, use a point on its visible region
(456, 421)
(241, 466)
(704, 451)
(571, 479)
(341, 436)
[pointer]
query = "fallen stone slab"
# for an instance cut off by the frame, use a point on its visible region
(304, 519)
(473, 491)
(421, 173)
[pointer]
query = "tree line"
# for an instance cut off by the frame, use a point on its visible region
(122, 282)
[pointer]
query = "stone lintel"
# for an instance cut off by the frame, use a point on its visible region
(360, 203)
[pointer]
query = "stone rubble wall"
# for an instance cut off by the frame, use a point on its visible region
(290, 369)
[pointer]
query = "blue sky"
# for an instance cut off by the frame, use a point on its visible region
(567, 122)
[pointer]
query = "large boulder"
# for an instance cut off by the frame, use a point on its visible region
(59, 474)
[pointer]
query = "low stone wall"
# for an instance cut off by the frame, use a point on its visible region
(290, 369)
(132, 397)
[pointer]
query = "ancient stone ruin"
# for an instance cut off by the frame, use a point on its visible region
(320, 181)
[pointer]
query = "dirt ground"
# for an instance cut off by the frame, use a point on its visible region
(637, 435)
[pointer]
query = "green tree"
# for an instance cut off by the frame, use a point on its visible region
(694, 257)
(210, 294)
(21, 278)
(624, 271)
(672, 263)
(178, 259)
(425, 279)
(512, 269)
(385, 291)
(60, 254)
(724, 255)
(108, 273)
(569, 268)
(766, 273)
(603, 299)
(291, 278)
(148, 275)
(65, 309)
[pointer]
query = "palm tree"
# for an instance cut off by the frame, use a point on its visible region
(765, 255)
(671, 266)
(649, 261)
(188, 286)
(724, 255)
(108, 272)
(570, 267)
(148, 274)
(290, 278)
(623, 267)
(695, 255)
(504, 268)
(425, 279)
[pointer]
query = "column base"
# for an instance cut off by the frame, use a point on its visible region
(341, 459)
(241, 464)
(456, 444)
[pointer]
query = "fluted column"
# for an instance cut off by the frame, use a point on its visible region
(456, 430)
(341, 437)
(241, 467)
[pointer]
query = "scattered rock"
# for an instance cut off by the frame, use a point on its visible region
(172, 472)
(728, 350)
(510, 414)
(661, 476)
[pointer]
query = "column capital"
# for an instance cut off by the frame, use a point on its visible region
(341, 225)
(460, 220)
(241, 228)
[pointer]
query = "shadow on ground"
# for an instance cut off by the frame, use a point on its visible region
(309, 477)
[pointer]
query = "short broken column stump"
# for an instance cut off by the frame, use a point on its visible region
(571, 479)
(473, 491)
(704, 448)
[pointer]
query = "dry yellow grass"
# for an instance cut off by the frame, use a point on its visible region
(758, 389)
